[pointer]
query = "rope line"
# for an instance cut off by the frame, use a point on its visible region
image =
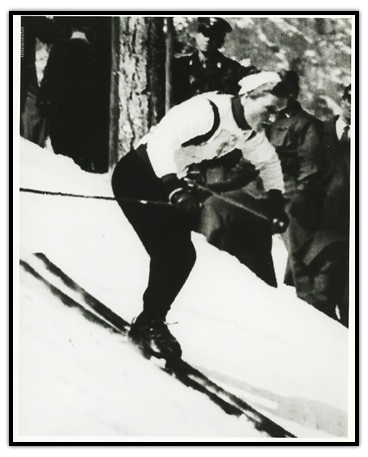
(146, 202)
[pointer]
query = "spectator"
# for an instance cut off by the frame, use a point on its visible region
(297, 137)
(327, 254)
(32, 126)
(75, 92)
(228, 225)
(207, 69)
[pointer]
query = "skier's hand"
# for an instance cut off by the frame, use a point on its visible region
(280, 223)
(182, 197)
(186, 202)
(276, 213)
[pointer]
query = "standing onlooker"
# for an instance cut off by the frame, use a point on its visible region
(296, 135)
(74, 94)
(32, 124)
(330, 246)
(230, 222)
(312, 184)
(207, 69)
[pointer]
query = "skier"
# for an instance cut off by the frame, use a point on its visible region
(201, 128)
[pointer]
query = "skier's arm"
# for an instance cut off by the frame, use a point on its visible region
(181, 124)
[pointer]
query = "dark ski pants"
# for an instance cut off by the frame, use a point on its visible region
(164, 233)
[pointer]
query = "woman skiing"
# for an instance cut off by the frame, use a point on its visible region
(206, 126)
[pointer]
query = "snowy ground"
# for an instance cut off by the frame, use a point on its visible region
(75, 380)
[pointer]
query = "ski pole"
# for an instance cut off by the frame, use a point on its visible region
(230, 201)
(277, 225)
(94, 197)
(152, 202)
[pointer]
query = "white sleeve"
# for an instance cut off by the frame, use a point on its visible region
(183, 122)
(262, 154)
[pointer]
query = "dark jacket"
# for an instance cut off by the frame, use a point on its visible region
(336, 182)
(297, 137)
(192, 77)
(33, 28)
(335, 187)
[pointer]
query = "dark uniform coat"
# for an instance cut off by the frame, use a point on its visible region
(297, 137)
(316, 182)
(193, 76)
(336, 183)
(32, 126)
(74, 94)
(333, 225)
(327, 253)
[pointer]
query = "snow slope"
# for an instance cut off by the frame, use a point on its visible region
(77, 381)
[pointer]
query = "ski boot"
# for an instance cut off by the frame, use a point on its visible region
(153, 338)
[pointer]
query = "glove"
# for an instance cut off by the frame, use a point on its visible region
(276, 213)
(186, 202)
(280, 223)
(182, 197)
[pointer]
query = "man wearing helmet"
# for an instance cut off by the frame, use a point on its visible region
(207, 69)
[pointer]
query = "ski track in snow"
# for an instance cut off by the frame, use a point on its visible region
(283, 357)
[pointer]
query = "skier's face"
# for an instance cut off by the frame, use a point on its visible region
(261, 112)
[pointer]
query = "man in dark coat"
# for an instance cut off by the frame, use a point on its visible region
(74, 95)
(32, 126)
(297, 136)
(229, 219)
(207, 69)
(327, 253)
(313, 178)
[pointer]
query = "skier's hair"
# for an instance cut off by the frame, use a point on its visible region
(279, 89)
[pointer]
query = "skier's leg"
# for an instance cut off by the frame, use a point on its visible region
(168, 274)
(167, 239)
(171, 251)
(162, 230)
(172, 258)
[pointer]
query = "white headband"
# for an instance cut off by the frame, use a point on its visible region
(251, 82)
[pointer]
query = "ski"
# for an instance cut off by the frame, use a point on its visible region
(65, 288)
